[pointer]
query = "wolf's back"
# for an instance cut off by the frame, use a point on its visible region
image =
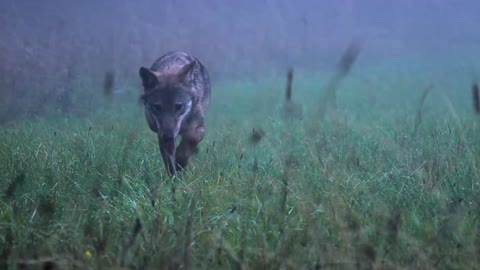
(172, 62)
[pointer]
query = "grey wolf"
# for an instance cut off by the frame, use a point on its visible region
(176, 95)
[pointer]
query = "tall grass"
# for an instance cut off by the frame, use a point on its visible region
(356, 190)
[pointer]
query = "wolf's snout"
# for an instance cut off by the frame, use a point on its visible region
(168, 144)
(168, 138)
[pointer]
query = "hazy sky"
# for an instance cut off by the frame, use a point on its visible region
(231, 37)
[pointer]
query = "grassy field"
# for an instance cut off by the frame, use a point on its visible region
(358, 189)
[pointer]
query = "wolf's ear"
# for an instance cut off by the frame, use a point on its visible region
(184, 73)
(149, 79)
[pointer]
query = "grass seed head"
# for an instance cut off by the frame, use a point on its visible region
(290, 161)
(255, 165)
(393, 226)
(108, 83)
(369, 252)
(257, 135)
(12, 187)
(47, 205)
(476, 98)
(349, 57)
(138, 226)
(288, 94)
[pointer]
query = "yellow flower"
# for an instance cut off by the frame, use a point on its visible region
(88, 254)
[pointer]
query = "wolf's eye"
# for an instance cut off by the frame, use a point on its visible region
(179, 107)
(157, 107)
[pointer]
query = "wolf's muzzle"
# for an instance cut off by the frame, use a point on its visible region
(168, 143)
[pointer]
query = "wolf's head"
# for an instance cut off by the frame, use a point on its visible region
(168, 99)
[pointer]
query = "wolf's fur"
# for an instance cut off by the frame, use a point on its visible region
(176, 96)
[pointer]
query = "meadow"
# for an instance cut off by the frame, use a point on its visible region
(380, 182)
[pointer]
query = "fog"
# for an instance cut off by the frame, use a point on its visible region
(49, 46)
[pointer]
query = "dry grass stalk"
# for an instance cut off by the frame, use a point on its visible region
(418, 116)
(393, 226)
(7, 249)
(291, 109)
(188, 235)
(290, 162)
(476, 98)
(255, 138)
(288, 96)
(346, 63)
(136, 230)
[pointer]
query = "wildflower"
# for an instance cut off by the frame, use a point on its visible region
(88, 254)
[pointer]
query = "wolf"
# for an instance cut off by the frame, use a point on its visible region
(176, 96)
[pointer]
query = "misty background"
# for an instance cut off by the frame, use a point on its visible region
(54, 54)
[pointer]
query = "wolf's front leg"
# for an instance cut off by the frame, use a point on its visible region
(188, 146)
